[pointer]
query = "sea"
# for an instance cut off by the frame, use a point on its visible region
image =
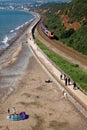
(10, 23)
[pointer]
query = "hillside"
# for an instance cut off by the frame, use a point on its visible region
(69, 22)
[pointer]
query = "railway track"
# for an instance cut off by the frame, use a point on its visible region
(61, 49)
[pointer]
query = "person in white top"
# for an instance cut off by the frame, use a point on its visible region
(14, 110)
(64, 95)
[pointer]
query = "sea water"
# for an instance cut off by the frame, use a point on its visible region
(10, 22)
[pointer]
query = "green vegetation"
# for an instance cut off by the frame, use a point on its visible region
(76, 11)
(54, 23)
(73, 70)
(79, 40)
(67, 33)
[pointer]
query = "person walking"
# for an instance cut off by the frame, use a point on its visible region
(68, 81)
(64, 76)
(64, 95)
(61, 76)
(74, 85)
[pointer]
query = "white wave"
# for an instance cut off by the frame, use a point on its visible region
(21, 25)
(31, 20)
(26, 23)
(4, 42)
(17, 28)
(5, 39)
(6, 45)
(3, 45)
(12, 31)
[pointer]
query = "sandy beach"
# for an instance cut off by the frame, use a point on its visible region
(41, 101)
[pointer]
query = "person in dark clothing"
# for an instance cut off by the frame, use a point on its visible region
(64, 76)
(8, 111)
(61, 76)
(68, 81)
(74, 85)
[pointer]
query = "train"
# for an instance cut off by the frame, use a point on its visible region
(47, 31)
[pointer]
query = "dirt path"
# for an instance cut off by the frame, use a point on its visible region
(66, 52)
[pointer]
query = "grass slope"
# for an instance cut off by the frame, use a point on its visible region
(74, 71)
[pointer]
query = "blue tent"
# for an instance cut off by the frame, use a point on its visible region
(14, 117)
(17, 117)
(23, 115)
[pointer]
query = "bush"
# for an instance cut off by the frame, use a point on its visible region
(67, 33)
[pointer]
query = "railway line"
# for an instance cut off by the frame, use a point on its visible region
(61, 49)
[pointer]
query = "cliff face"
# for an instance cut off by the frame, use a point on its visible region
(63, 17)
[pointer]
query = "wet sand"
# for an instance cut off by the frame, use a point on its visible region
(13, 62)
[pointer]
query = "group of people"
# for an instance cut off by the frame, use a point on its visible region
(16, 116)
(68, 80)
(14, 111)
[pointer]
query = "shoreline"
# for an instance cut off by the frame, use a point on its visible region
(20, 31)
(17, 37)
(8, 58)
